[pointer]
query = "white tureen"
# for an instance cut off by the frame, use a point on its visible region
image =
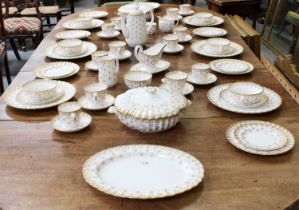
(149, 109)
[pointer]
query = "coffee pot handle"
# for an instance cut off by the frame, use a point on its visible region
(137, 50)
(152, 21)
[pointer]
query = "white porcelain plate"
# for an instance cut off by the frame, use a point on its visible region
(215, 21)
(191, 12)
(143, 171)
(72, 34)
(94, 14)
(210, 79)
(199, 48)
(260, 137)
(231, 66)
(56, 70)
(10, 97)
(162, 65)
(179, 48)
(88, 45)
(209, 32)
(58, 124)
(71, 24)
(274, 101)
(187, 38)
(101, 34)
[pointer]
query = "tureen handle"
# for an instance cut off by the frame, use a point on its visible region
(151, 23)
(137, 50)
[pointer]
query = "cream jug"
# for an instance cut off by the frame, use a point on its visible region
(150, 56)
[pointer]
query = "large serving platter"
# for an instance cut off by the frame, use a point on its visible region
(274, 101)
(260, 137)
(216, 21)
(72, 25)
(143, 171)
(231, 66)
(90, 48)
(11, 97)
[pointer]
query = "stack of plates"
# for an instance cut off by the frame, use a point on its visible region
(231, 66)
(214, 21)
(72, 34)
(260, 137)
(56, 70)
(209, 32)
(217, 96)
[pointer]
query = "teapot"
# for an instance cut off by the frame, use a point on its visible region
(134, 27)
(150, 56)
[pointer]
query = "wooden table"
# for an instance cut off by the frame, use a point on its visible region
(243, 8)
(41, 168)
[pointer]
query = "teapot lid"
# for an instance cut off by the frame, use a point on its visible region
(150, 103)
(134, 9)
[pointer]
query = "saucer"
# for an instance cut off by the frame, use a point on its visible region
(88, 45)
(274, 101)
(231, 66)
(178, 48)
(72, 25)
(191, 12)
(85, 103)
(187, 38)
(90, 65)
(188, 88)
(56, 70)
(209, 32)
(59, 125)
(127, 54)
(101, 34)
(211, 79)
(215, 21)
(72, 34)
(198, 47)
(162, 65)
(10, 97)
(94, 14)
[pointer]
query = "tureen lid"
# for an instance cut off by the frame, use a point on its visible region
(150, 103)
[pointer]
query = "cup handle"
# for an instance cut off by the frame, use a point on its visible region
(176, 22)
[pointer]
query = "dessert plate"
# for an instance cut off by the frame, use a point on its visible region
(209, 32)
(10, 97)
(198, 47)
(87, 45)
(59, 125)
(191, 12)
(56, 70)
(210, 79)
(260, 137)
(187, 38)
(86, 104)
(101, 34)
(94, 14)
(71, 24)
(274, 101)
(72, 34)
(178, 48)
(231, 66)
(215, 21)
(127, 54)
(143, 171)
(160, 66)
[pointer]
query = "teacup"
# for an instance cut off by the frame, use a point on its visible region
(200, 71)
(135, 79)
(245, 93)
(175, 80)
(202, 18)
(83, 21)
(117, 22)
(153, 27)
(108, 28)
(70, 113)
(96, 92)
(97, 55)
(69, 47)
(172, 13)
(167, 24)
(180, 32)
(117, 48)
(40, 90)
(171, 41)
(218, 45)
(185, 8)
(108, 70)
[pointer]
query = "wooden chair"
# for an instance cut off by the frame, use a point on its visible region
(22, 28)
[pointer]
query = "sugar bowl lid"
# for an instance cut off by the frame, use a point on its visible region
(150, 103)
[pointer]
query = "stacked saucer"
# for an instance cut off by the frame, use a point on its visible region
(260, 137)
(70, 49)
(231, 66)
(177, 81)
(71, 118)
(202, 19)
(96, 97)
(39, 94)
(83, 23)
(244, 97)
(200, 75)
(118, 50)
(56, 70)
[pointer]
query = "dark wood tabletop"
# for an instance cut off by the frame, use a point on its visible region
(41, 168)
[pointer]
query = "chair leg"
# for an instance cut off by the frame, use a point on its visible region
(58, 16)
(15, 49)
(1, 82)
(7, 72)
(48, 20)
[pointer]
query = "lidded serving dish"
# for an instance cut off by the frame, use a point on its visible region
(149, 109)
